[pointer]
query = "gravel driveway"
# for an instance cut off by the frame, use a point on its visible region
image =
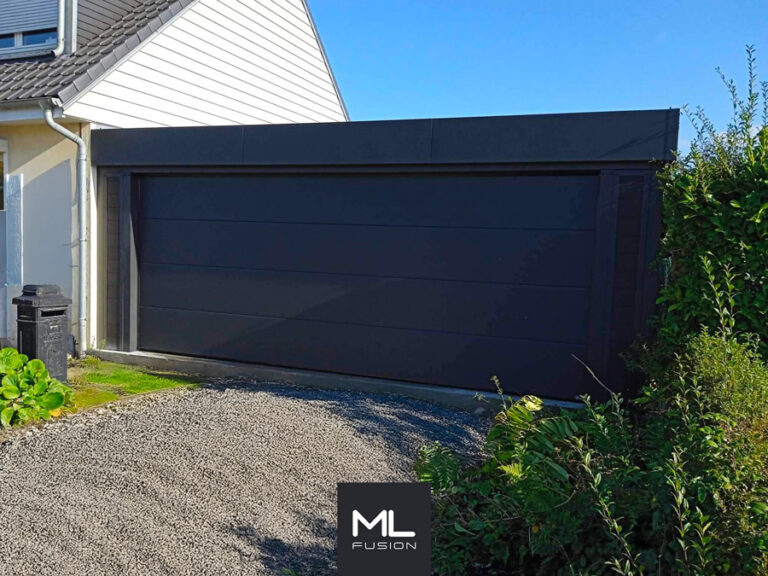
(228, 479)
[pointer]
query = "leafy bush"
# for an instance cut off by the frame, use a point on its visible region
(671, 483)
(716, 203)
(27, 392)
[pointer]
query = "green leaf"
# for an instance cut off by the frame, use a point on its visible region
(40, 387)
(514, 470)
(10, 380)
(6, 416)
(25, 414)
(56, 386)
(34, 366)
(9, 391)
(30, 401)
(759, 508)
(558, 469)
(6, 353)
(17, 362)
(52, 400)
(460, 529)
(476, 524)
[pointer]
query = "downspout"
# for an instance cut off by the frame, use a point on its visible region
(82, 204)
(59, 49)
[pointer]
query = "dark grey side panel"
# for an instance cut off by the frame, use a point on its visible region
(112, 185)
(632, 191)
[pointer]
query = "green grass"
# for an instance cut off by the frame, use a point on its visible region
(95, 382)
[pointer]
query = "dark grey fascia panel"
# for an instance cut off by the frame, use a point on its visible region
(198, 146)
(386, 142)
(591, 137)
(635, 136)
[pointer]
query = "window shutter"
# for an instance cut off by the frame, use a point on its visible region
(26, 15)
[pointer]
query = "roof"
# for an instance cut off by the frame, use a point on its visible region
(107, 31)
(637, 136)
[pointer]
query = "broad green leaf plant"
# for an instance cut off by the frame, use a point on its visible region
(27, 391)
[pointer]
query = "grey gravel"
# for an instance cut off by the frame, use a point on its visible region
(228, 479)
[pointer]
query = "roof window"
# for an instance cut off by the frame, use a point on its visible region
(39, 37)
(27, 40)
(31, 27)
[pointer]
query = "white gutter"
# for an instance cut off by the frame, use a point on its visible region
(59, 49)
(82, 203)
(22, 111)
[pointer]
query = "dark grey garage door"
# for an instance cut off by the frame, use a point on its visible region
(430, 278)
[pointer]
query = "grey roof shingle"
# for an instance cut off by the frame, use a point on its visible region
(104, 26)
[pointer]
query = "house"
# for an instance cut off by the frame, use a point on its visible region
(69, 67)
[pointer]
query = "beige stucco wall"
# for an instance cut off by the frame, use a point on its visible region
(47, 162)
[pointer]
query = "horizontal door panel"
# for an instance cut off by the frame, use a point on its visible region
(464, 361)
(514, 256)
(557, 314)
(447, 200)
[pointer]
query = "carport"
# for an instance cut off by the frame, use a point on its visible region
(430, 251)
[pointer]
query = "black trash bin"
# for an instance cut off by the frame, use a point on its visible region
(43, 326)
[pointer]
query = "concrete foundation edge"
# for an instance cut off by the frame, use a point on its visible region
(462, 399)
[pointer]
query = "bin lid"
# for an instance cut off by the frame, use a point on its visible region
(42, 296)
(40, 289)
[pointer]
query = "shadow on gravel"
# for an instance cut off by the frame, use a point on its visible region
(395, 420)
(276, 555)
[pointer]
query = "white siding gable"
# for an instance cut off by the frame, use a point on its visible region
(220, 62)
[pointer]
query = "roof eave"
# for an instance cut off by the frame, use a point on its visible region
(25, 111)
(325, 59)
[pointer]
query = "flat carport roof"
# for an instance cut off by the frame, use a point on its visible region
(594, 137)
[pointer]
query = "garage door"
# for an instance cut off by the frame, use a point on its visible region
(434, 278)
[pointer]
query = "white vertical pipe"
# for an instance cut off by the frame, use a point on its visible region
(82, 204)
(60, 30)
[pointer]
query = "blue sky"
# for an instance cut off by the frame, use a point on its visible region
(434, 58)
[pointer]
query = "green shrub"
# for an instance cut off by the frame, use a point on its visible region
(716, 203)
(671, 483)
(27, 392)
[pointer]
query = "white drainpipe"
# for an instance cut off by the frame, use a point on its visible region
(82, 203)
(59, 49)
